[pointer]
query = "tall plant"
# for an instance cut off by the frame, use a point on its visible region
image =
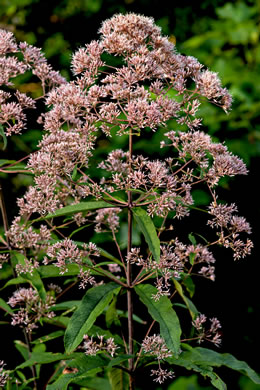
(111, 223)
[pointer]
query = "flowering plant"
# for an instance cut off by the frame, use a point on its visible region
(121, 209)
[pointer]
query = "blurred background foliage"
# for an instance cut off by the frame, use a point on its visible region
(224, 36)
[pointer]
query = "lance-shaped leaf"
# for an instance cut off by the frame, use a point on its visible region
(44, 358)
(48, 337)
(162, 312)
(147, 227)
(82, 366)
(190, 306)
(91, 306)
(206, 358)
(78, 208)
(5, 306)
(118, 379)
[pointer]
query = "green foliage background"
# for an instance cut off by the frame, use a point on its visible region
(225, 37)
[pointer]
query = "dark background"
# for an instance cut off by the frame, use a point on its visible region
(225, 37)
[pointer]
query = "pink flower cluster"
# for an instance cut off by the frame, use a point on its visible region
(92, 347)
(3, 375)
(31, 59)
(31, 308)
(155, 346)
(211, 334)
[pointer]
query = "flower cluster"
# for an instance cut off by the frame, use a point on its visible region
(213, 159)
(108, 217)
(118, 100)
(31, 308)
(12, 114)
(3, 375)
(67, 252)
(230, 226)
(3, 259)
(175, 260)
(92, 347)
(22, 237)
(211, 334)
(155, 346)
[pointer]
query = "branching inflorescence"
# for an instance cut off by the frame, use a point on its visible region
(150, 86)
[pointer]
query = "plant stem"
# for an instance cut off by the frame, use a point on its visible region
(33, 368)
(129, 271)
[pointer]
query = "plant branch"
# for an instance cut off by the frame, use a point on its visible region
(119, 251)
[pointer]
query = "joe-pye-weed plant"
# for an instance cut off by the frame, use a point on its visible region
(95, 251)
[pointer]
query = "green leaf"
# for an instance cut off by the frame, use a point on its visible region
(118, 379)
(66, 305)
(162, 312)
(216, 381)
(61, 321)
(22, 348)
(147, 227)
(183, 383)
(192, 257)
(36, 281)
(94, 383)
(202, 360)
(109, 256)
(204, 371)
(14, 281)
(43, 358)
(111, 313)
(51, 271)
(2, 134)
(25, 383)
(119, 359)
(5, 306)
(92, 305)
(83, 364)
(190, 306)
(78, 208)
(4, 162)
(124, 314)
(207, 357)
(188, 284)
(48, 337)
(192, 239)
